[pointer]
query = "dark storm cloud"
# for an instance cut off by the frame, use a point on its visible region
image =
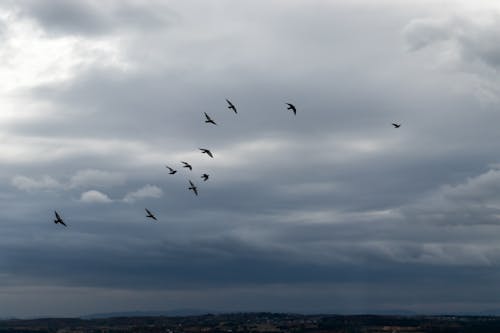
(471, 203)
(213, 262)
(94, 18)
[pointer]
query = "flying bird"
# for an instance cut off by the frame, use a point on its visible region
(59, 219)
(396, 125)
(150, 215)
(206, 151)
(205, 177)
(292, 107)
(172, 171)
(193, 188)
(231, 106)
(209, 120)
(187, 165)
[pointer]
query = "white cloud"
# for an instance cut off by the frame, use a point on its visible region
(45, 183)
(95, 197)
(148, 191)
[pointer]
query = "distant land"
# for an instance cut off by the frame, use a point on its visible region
(169, 313)
(259, 323)
(200, 312)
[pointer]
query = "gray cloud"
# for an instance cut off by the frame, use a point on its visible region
(93, 178)
(471, 39)
(473, 202)
(94, 18)
(29, 184)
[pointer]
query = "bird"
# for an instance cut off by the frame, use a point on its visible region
(187, 165)
(192, 187)
(205, 177)
(150, 215)
(396, 125)
(59, 219)
(292, 107)
(209, 120)
(172, 171)
(231, 106)
(206, 151)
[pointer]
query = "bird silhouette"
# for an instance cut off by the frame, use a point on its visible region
(206, 151)
(187, 165)
(59, 219)
(292, 107)
(205, 177)
(209, 120)
(172, 171)
(231, 106)
(193, 187)
(150, 215)
(396, 125)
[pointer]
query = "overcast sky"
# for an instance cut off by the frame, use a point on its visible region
(331, 210)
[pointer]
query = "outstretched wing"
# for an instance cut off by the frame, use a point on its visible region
(150, 214)
(231, 106)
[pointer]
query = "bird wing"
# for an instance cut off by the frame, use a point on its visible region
(231, 106)
(210, 153)
(169, 168)
(191, 183)
(147, 211)
(62, 222)
(206, 116)
(57, 216)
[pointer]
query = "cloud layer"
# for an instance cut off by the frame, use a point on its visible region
(331, 210)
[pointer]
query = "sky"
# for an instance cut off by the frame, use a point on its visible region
(332, 210)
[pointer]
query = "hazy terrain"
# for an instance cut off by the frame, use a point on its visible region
(261, 323)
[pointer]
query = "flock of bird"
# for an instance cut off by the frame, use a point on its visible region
(204, 176)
